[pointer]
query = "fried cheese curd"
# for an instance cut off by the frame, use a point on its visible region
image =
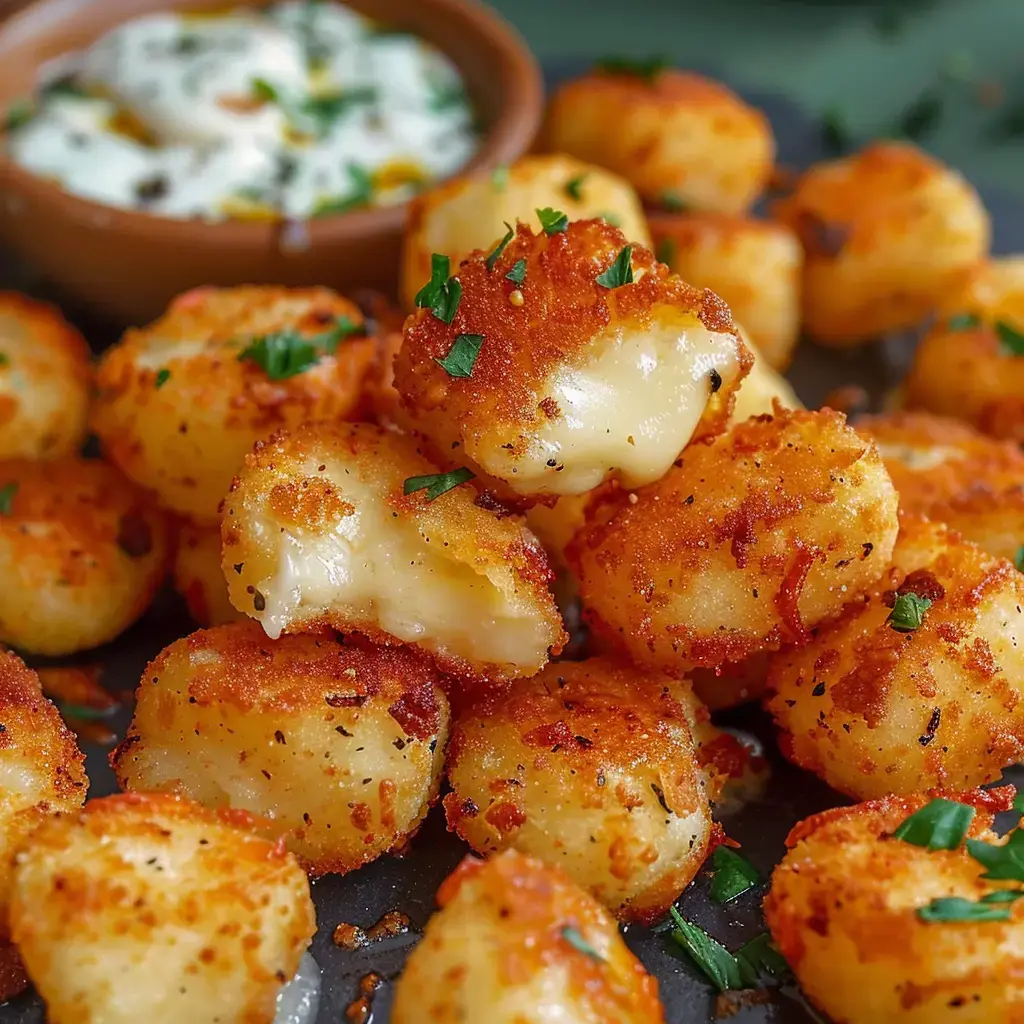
(516, 942)
(45, 380)
(844, 910)
(340, 747)
(874, 709)
(968, 366)
(744, 545)
(318, 532)
(82, 552)
(198, 577)
(590, 765)
(945, 470)
(43, 772)
(471, 212)
(754, 265)
(180, 402)
(887, 233)
(678, 137)
(150, 907)
(575, 382)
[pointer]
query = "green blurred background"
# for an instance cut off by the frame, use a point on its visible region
(958, 65)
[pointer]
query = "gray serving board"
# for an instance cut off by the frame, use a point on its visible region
(408, 884)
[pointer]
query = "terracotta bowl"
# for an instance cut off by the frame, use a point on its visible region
(127, 265)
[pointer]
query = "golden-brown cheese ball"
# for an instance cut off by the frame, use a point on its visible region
(178, 409)
(43, 772)
(945, 470)
(318, 531)
(340, 747)
(755, 265)
(964, 368)
(471, 212)
(887, 232)
(198, 577)
(876, 710)
(745, 544)
(574, 381)
(82, 551)
(45, 380)
(590, 765)
(515, 942)
(843, 911)
(150, 907)
(677, 136)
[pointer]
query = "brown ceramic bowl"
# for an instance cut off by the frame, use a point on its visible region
(127, 265)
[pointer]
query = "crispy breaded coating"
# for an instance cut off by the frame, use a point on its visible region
(198, 577)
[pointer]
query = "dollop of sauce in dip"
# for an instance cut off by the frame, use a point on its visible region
(297, 110)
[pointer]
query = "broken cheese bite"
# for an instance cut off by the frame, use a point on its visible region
(565, 358)
(348, 526)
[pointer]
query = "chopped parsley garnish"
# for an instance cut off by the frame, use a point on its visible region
(499, 177)
(1002, 863)
(462, 355)
(325, 110)
(835, 136)
(65, 85)
(939, 825)
(576, 940)
(666, 251)
(993, 907)
(7, 493)
(553, 221)
(646, 68)
(163, 375)
(721, 968)
(963, 322)
(759, 956)
(908, 612)
(360, 196)
(264, 90)
(620, 272)
(441, 294)
(19, 113)
(4, 359)
(573, 187)
(1018, 561)
(922, 117)
(1011, 340)
(436, 484)
(734, 875)
(672, 201)
(500, 247)
(84, 712)
(518, 272)
(447, 95)
(287, 353)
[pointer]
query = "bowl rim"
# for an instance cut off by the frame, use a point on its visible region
(507, 138)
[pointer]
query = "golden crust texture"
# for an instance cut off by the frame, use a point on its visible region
(964, 370)
(591, 766)
(744, 545)
(318, 532)
(82, 551)
(761, 389)
(340, 747)
(843, 911)
(945, 470)
(887, 233)
(45, 379)
(198, 577)
(152, 908)
(178, 409)
(471, 212)
(515, 941)
(678, 134)
(754, 265)
(874, 710)
(580, 381)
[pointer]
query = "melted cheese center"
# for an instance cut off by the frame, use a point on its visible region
(630, 409)
(299, 1000)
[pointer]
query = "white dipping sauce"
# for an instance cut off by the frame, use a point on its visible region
(299, 1000)
(296, 110)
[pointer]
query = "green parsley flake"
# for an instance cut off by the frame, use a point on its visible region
(646, 68)
(287, 353)
(84, 712)
(573, 187)
(500, 247)
(4, 360)
(576, 940)
(462, 355)
(518, 272)
(672, 201)
(1018, 561)
(1001, 863)
(1011, 340)
(441, 294)
(993, 907)
(620, 272)
(18, 115)
(666, 252)
(940, 825)
(436, 484)
(721, 968)
(835, 135)
(360, 196)
(908, 612)
(163, 375)
(553, 222)
(963, 322)
(7, 493)
(734, 875)
(922, 117)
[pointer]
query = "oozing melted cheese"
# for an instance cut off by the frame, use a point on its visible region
(629, 409)
(373, 567)
(299, 1000)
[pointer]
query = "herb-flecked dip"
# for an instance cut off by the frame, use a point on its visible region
(297, 110)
